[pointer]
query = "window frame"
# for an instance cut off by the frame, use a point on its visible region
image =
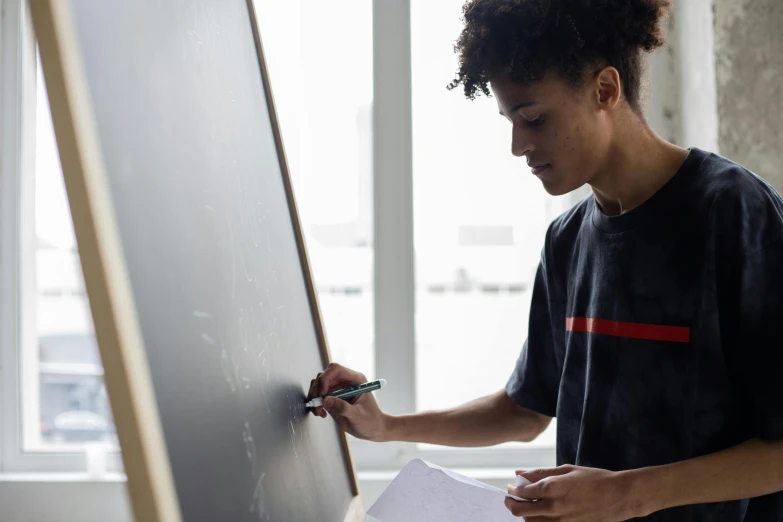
(395, 280)
(19, 377)
(393, 239)
(12, 19)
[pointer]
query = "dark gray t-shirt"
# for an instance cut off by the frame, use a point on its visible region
(655, 336)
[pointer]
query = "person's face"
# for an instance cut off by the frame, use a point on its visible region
(563, 131)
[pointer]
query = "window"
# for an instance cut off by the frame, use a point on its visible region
(69, 406)
(321, 75)
(478, 225)
(53, 405)
(64, 401)
(479, 221)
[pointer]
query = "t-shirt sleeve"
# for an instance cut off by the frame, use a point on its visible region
(751, 302)
(536, 378)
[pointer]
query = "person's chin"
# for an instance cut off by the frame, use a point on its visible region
(556, 185)
(555, 190)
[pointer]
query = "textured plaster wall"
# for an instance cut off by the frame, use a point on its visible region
(681, 102)
(662, 90)
(749, 71)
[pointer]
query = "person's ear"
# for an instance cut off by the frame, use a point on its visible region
(608, 88)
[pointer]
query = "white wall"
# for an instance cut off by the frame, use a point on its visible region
(62, 499)
(68, 499)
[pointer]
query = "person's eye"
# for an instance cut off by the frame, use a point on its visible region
(535, 123)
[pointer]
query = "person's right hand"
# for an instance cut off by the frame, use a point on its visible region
(360, 416)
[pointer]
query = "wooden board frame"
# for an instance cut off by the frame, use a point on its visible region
(128, 381)
(355, 511)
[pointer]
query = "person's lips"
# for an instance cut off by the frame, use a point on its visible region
(540, 168)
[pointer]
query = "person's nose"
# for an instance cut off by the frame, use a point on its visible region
(521, 144)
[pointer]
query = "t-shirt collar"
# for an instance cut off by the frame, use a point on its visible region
(663, 197)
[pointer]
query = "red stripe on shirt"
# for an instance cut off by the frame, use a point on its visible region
(651, 332)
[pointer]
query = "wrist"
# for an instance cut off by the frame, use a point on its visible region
(644, 490)
(390, 428)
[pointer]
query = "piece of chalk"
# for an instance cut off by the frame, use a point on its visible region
(519, 480)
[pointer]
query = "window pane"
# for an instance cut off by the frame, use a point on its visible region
(70, 399)
(480, 222)
(319, 56)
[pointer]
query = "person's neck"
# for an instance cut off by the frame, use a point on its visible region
(639, 165)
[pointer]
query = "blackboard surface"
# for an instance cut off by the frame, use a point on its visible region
(188, 147)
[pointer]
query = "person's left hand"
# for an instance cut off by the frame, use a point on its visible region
(573, 494)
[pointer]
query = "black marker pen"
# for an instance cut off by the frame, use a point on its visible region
(347, 393)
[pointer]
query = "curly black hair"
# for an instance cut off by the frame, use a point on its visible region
(527, 38)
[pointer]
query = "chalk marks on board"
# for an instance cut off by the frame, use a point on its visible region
(250, 447)
(244, 326)
(202, 315)
(266, 391)
(237, 377)
(293, 439)
(226, 365)
(286, 420)
(244, 268)
(193, 33)
(258, 502)
(246, 332)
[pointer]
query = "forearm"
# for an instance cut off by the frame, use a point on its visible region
(484, 422)
(750, 469)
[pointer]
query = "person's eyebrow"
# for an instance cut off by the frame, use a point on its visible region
(518, 106)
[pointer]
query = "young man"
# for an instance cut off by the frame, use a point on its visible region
(653, 333)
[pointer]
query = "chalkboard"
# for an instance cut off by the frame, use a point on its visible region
(195, 266)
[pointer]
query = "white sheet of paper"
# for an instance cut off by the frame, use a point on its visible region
(424, 492)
